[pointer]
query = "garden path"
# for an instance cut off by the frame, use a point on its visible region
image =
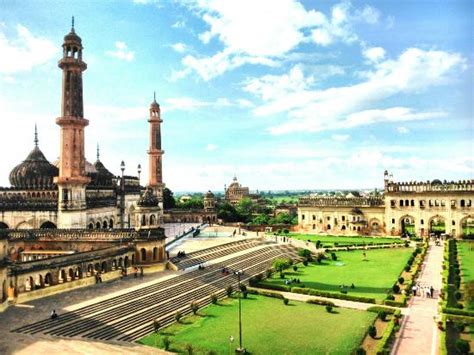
(419, 334)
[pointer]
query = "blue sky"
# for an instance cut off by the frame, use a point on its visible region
(284, 94)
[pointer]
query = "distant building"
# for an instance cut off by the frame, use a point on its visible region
(236, 192)
(418, 208)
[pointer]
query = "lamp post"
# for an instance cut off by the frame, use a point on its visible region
(240, 349)
(139, 169)
(122, 194)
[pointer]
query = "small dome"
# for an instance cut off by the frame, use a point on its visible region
(155, 104)
(101, 176)
(35, 172)
(72, 37)
(148, 199)
(209, 194)
(436, 182)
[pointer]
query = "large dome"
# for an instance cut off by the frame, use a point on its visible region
(35, 172)
(148, 199)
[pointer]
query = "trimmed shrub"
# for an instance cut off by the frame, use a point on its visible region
(401, 280)
(457, 295)
(177, 316)
(407, 268)
(214, 298)
(372, 331)
(321, 303)
(329, 308)
(333, 256)
(312, 292)
(396, 289)
(462, 346)
(286, 301)
(305, 262)
(228, 291)
(295, 268)
(156, 325)
(360, 351)
(268, 273)
(378, 309)
(166, 343)
(383, 315)
(460, 326)
(390, 297)
(275, 287)
(189, 349)
(194, 307)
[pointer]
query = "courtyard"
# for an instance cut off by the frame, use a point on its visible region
(372, 276)
(269, 327)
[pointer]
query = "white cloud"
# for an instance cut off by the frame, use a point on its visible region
(191, 104)
(314, 110)
(402, 130)
(179, 47)
(25, 51)
(374, 54)
(340, 137)
(179, 24)
(122, 52)
(211, 147)
(263, 32)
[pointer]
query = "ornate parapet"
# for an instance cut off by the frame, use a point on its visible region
(341, 202)
(433, 186)
(81, 235)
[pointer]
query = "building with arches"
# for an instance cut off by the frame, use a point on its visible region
(404, 208)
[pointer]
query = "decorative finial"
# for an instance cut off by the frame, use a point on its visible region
(72, 27)
(98, 152)
(154, 96)
(36, 136)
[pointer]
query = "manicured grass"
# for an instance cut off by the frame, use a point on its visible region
(371, 278)
(466, 254)
(329, 240)
(269, 327)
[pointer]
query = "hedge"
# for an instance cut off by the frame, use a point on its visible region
(275, 287)
(457, 311)
(456, 318)
(254, 291)
(321, 302)
(403, 303)
(377, 309)
(341, 296)
(386, 336)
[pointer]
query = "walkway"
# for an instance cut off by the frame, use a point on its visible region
(419, 333)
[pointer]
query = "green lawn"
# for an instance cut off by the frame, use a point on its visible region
(466, 253)
(329, 240)
(269, 327)
(371, 278)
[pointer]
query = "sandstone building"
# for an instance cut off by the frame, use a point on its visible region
(417, 208)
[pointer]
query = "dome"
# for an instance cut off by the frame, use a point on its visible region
(148, 199)
(154, 104)
(101, 176)
(35, 172)
(209, 194)
(72, 37)
(436, 182)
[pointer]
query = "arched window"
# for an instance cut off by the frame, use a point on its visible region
(104, 267)
(463, 203)
(143, 220)
(3, 225)
(48, 225)
(412, 203)
(155, 253)
(97, 225)
(329, 226)
(401, 203)
(343, 228)
(91, 226)
(104, 225)
(142, 254)
(152, 220)
(111, 223)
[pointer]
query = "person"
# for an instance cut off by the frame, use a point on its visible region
(135, 272)
(54, 315)
(414, 290)
(427, 290)
(431, 291)
(141, 272)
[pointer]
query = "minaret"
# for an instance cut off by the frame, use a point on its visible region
(72, 179)
(155, 153)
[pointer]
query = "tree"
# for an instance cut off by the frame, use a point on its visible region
(228, 213)
(178, 315)
(260, 219)
(281, 264)
(372, 331)
(229, 290)
(194, 307)
(168, 199)
(166, 343)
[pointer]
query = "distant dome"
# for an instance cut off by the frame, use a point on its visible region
(209, 194)
(101, 176)
(148, 199)
(436, 182)
(90, 168)
(35, 172)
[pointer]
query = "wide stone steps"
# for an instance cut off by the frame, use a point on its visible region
(130, 316)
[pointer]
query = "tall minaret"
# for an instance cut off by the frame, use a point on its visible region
(155, 153)
(72, 179)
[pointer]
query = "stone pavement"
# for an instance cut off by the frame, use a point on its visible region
(419, 333)
(15, 316)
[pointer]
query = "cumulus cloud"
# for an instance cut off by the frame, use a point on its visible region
(340, 137)
(310, 109)
(374, 54)
(121, 52)
(263, 32)
(179, 47)
(24, 51)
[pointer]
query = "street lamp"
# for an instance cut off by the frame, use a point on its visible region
(240, 349)
(122, 194)
(139, 169)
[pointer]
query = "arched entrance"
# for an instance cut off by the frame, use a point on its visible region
(142, 254)
(375, 226)
(467, 227)
(3, 225)
(407, 226)
(48, 225)
(437, 225)
(48, 279)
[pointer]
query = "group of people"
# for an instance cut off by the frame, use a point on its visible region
(289, 282)
(200, 267)
(98, 278)
(181, 254)
(225, 271)
(423, 291)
